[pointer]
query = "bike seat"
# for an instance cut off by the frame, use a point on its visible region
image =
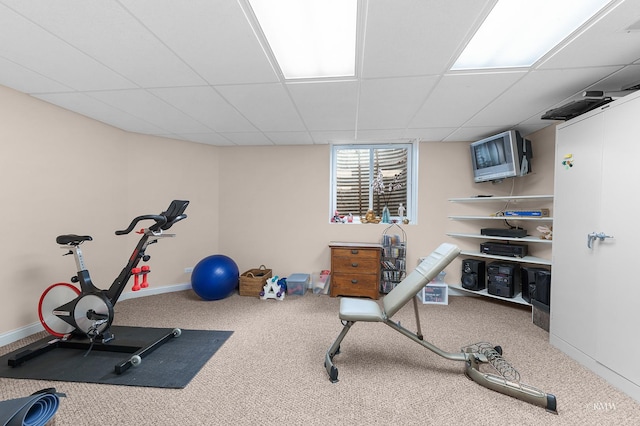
(72, 239)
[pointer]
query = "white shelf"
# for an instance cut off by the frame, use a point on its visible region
(527, 239)
(527, 259)
(516, 299)
(515, 199)
(527, 218)
(536, 200)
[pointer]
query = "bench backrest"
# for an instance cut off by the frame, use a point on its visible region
(427, 270)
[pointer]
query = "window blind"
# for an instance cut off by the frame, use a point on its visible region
(356, 169)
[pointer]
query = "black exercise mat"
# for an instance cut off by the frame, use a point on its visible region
(172, 365)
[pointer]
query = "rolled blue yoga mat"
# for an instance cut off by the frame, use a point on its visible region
(34, 410)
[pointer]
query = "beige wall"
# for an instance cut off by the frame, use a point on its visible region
(64, 173)
(274, 203)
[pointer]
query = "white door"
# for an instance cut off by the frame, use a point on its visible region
(576, 213)
(595, 291)
(618, 300)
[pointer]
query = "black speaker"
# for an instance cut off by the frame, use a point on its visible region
(473, 274)
(540, 289)
(527, 279)
(503, 279)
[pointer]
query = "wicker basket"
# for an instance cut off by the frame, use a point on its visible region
(252, 282)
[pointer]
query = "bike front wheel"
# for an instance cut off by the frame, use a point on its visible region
(52, 298)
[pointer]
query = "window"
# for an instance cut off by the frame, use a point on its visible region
(368, 177)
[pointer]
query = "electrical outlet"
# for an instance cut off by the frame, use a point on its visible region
(188, 270)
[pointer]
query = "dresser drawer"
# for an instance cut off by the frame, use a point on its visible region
(355, 265)
(355, 253)
(354, 285)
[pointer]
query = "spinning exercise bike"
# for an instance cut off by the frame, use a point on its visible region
(81, 318)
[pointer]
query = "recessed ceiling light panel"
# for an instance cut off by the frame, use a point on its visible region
(517, 33)
(310, 38)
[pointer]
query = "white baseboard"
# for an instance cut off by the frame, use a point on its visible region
(150, 291)
(22, 332)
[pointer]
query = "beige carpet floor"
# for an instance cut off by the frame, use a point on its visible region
(270, 372)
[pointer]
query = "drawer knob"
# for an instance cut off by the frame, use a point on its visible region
(354, 251)
(354, 281)
(354, 264)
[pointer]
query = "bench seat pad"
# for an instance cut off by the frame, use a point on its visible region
(352, 309)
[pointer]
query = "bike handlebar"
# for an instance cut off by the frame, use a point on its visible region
(164, 221)
(160, 220)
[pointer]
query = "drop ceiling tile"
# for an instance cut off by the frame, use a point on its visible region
(606, 42)
(267, 106)
(533, 94)
(327, 137)
(204, 104)
(97, 110)
(177, 50)
(26, 81)
(247, 138)
(45, 54)
(326, 105)
(205, 138)
(140, 103)
(470, 134)
(409, 37)
(212, 36)
(89, 26)
(625, 77)
(290, 138)
(384, 135)
(432, 134)
(391, 102)
(457, 97)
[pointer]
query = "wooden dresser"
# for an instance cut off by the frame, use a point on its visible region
(355, 269)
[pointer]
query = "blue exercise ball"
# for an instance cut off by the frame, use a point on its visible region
(215, 277)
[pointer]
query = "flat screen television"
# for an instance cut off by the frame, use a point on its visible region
(501, 156)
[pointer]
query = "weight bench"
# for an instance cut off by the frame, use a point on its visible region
(353, 310)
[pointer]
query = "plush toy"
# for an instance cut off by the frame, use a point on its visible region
(370, 218)
(546, 231)
(337, 217)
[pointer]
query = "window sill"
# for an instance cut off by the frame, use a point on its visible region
(357, 222)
